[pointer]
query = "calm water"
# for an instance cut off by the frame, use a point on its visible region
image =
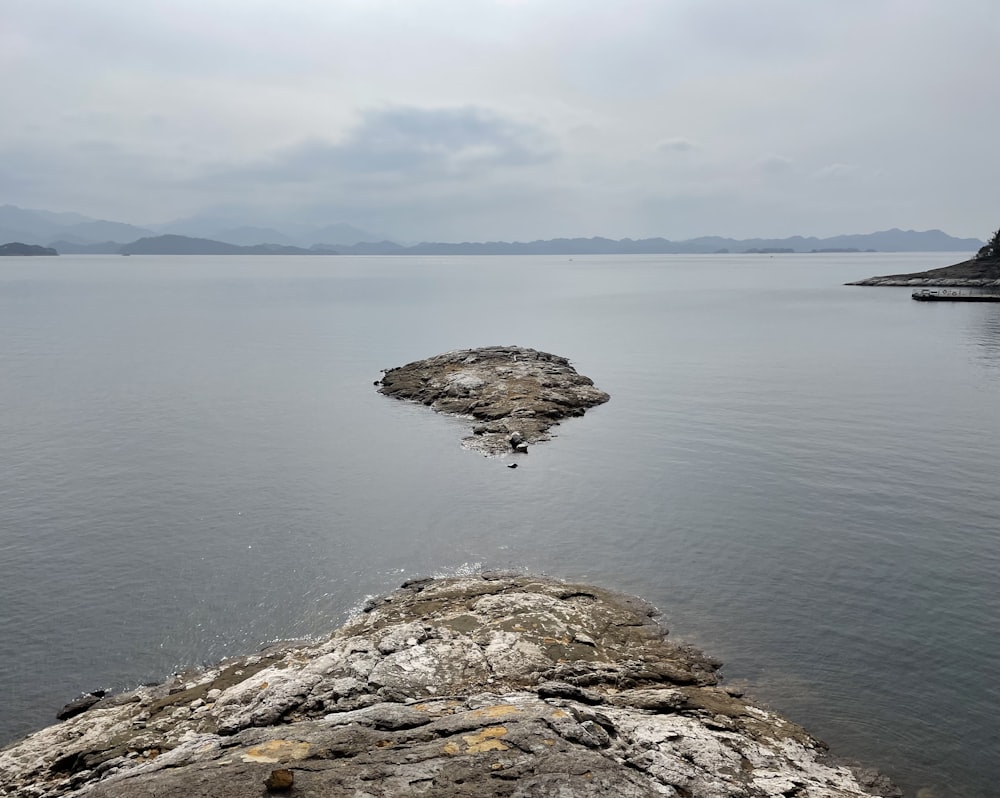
(802, 475)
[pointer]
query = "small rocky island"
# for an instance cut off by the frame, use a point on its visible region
(16, 248)
(489, 685)
(515, 394)
(982, 271)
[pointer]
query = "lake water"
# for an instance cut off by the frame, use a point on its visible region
(802, 475)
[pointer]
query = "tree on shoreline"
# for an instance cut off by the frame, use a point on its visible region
(991, 251)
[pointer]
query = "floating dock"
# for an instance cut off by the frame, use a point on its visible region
(924, 295)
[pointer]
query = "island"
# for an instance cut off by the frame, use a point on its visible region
(981, 271)
(515, 394)
(497, 684)
(17, 248)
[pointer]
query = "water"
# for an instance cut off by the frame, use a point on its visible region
(802, 475)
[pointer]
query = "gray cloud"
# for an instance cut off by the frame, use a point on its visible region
(676, 144)
(502, 119)
(413, 144)
(835, 171)
(774, 164)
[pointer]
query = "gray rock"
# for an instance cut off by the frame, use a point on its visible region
(569, 691)
(80, 705)
(515, 394)
(970, 273)
(500, 684)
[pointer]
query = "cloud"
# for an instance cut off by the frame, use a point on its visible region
(676, 144)
(774, 164)
(404, 144)
(835, 171)
(501, 118)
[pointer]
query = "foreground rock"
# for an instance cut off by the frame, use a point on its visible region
(975, 273)
(493, 685)
(515, 394)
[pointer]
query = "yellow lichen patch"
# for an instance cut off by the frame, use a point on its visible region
(549, 741)
(495, 712)
(277, 751)
(486, 740)
(558, 713)
(263, 686)
(496, 766)
(448, 705)
(384, 744)
(451, 749)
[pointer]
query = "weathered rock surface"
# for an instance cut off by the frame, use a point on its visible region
(968, 274)
(494, 685)
(515, 394)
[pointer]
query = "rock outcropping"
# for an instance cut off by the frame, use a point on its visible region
(515, 394)
(494, 685)
(975, 273)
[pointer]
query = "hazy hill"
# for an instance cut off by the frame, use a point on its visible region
(17, 248)
(246, 236)
(44, 227)
(32, 224)
(183, 245)
(884, 241)
(341, 234)
(100, 248)
(98, 231)
(73, 233)
(232, 232)
(364, 248)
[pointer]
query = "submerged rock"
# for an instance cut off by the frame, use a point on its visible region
(515, 394)
(80, 705)
(494, 685)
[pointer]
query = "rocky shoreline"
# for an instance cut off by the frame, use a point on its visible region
(490, 685)
(974, 273)
(514, 394)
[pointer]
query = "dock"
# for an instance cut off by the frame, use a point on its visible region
(924, 295)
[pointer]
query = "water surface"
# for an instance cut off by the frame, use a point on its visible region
(802, 475)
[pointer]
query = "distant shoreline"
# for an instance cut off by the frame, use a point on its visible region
(971, 273)
(883, 241)
(17, 249)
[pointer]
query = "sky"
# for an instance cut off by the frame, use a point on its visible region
(475, 120)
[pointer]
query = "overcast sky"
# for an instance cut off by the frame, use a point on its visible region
(510, 119)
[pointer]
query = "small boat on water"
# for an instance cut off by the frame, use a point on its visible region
(951, 295)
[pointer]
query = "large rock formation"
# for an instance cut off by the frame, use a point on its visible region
(515, 394)
(494, 685)
(975, 273)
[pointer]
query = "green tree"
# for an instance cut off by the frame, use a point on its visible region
(992, 249)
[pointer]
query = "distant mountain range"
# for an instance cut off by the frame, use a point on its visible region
(886, 241)
(183, 245)
(72, 233)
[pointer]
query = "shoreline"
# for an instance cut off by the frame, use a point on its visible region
(494, 684)
(971, 273)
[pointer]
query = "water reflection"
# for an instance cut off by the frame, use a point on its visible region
(985, 335)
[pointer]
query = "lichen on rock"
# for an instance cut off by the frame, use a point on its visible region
(488, 685)
(514, 394)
